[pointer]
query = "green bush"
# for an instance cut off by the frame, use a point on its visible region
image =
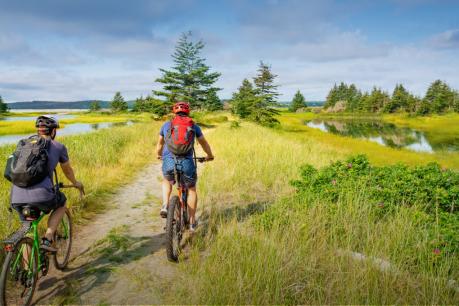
(432, 189)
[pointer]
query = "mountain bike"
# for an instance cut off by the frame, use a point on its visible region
(178, 219)
(24, 259)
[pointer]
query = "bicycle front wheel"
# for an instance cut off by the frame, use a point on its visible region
(173, 229)
(19, 274)
(63, 241)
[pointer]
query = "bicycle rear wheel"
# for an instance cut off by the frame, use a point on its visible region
(173, 229)
(19, 274)
(63, 241)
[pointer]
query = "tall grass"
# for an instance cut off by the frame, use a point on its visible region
(300, 249)
(102, 160)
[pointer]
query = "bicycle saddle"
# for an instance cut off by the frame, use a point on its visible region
(30, 213)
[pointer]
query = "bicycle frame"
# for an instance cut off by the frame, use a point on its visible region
(36, 245)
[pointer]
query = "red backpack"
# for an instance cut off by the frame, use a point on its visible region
(180, 136)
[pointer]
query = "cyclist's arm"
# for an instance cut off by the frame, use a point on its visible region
(159, 147)
(70, 175)
(206, 147)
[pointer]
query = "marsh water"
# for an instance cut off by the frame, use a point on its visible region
(69, 129)
(388, 134)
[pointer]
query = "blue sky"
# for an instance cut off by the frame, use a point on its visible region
(88, 49)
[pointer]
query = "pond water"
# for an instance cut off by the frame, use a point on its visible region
(388, 134)
(33, 118)
(69, 129)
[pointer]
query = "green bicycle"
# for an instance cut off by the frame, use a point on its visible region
(24, 259)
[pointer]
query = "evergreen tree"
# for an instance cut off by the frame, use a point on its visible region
(264, 84)
(413, 103)
(3, 106)
(352, 97)
(248, 103)
(297, 102)
(94, 106)
(398, 101)
(152, 105)
(456, 101)
(190, 78)
(332, 97)
(243, 99)
(376, 101)
(440, 97)
(212, 102)
(118, 104)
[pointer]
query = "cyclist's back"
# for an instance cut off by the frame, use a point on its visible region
(43, 191)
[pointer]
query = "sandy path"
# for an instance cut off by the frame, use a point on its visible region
(119, 257)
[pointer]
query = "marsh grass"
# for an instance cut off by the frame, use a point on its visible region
(299, 249)
(28, 127)
(102, 160)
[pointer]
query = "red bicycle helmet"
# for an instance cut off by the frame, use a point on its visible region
(181, 107)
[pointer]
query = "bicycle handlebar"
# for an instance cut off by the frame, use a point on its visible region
(82, 193)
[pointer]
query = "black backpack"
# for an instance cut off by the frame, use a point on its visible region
(28, 165)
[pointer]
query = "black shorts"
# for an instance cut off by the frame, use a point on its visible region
(45, 207)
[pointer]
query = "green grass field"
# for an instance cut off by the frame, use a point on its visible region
(305, 255)
(262, 243)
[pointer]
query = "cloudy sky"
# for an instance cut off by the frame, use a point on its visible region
(88, 49)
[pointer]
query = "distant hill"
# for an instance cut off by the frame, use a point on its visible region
(59, 105)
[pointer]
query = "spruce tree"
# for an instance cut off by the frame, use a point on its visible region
(440, 97)
(212, 102)
(3, 106)
(118, 104)
(297, 102)
(190, 78)
(399, 100)
(243, 99)
(332, 97)
(264, 84)
(94, 106)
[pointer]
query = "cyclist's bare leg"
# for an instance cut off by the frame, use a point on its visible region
(53, 221)
(167, 189)
(192, 203)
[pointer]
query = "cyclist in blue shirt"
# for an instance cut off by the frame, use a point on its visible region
(187, 163)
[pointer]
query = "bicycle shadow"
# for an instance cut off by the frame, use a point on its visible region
(104, 259)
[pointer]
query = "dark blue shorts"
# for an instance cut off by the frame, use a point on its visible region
(45, 207)
(185, 165)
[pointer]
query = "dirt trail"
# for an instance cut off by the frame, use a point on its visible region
(119, 257)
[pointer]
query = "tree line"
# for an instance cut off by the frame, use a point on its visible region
(191, 79)
(439, 98)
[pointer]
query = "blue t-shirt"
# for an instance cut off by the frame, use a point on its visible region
(166, 126)
(43, 191)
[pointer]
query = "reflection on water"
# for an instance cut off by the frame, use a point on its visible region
(32, 118)
(387, 134)
(69, 129)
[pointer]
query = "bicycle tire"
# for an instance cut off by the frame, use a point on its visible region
(63, 241)
(173, 229)
(13, 282)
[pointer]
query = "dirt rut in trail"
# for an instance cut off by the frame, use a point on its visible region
(119, 257)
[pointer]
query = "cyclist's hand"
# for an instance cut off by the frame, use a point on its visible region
(209, 158)
(80, 187)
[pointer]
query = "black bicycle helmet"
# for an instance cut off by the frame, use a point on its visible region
(47, 121)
